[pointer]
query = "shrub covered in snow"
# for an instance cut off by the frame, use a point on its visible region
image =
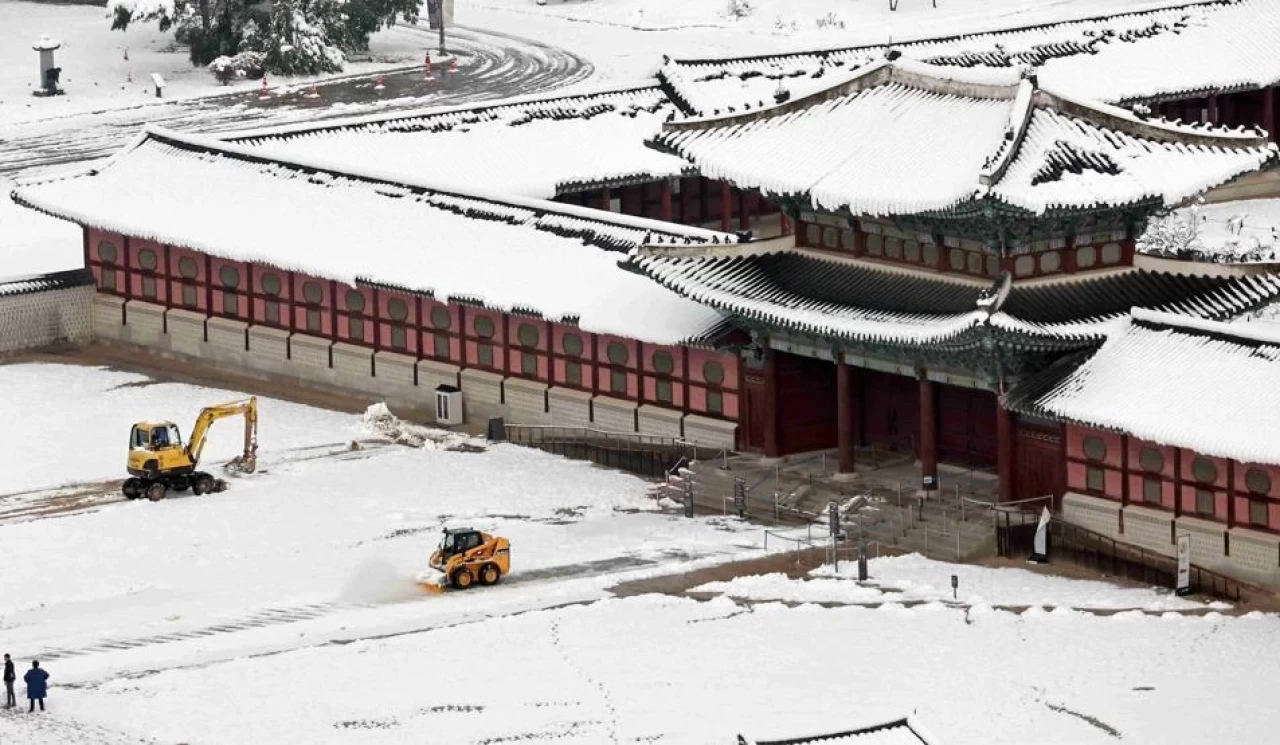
(740, 8)
(243, 65)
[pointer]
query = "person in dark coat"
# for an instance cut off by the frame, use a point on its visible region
(37, 684)
(9, 677)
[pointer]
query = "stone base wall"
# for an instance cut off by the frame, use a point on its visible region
(481, 395)
(613, 414)
(37, 319)
(526, 402)
(1248, 555)
(406, 384)
(569, 408)
(1091, 513)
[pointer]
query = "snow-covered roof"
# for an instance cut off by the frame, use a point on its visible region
(1219, 378)
(45, 282)
(868, 303)
(909, 138)
(518, 254)
(535, 147)
(1192, 49)
(906, 731)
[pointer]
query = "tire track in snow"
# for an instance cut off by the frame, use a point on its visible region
(491, 66)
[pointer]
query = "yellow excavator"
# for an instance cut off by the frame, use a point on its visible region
(468, 557)
(158, 461)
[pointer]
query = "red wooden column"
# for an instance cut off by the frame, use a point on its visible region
(606, 196)
(1004, 452)
(928, 448)
(1269, 112)
(726, 206)
(771, 445)
(666, 200)
(845, 434)
(1213, 109)
(744, 220)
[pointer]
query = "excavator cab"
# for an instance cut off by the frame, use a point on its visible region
(155, 448)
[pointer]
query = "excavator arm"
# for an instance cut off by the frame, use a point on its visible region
(200, 432)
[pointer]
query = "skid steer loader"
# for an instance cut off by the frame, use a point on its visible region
(158, 461)
(468, 557)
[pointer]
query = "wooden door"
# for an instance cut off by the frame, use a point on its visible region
(755, 409)
(806, 403)
(966, 426)
(891, 408)
(1039, 465)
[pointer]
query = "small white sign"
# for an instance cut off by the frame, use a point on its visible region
(1184, 564)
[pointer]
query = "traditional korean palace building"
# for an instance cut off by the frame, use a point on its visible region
(930, 249)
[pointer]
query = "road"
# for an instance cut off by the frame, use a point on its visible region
(491, 66)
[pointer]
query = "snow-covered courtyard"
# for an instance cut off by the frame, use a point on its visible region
(284, 610)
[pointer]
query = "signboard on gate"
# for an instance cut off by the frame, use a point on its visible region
(1183, 586)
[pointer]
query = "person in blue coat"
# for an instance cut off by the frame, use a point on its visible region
(37, 684)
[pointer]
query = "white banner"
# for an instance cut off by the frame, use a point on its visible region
(1184, 564)
(1041, 547)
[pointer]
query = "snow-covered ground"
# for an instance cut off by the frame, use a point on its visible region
(913, 578)
(95, 73)
(284, 610)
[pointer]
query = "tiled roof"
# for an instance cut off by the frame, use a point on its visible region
(534, 147)
(860, 301)
(875, 143)
(900, 732)
(1189, 383)
(1191, 49)
(508, 253)
(45, 282)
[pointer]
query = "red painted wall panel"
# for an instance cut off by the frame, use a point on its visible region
(1075, 444)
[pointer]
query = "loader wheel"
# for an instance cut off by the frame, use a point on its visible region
(203, 484)
(462, 579)
(156, 491)
(132, 488)
(489, 574)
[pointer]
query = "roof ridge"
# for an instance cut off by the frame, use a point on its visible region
(360, 120)
(541, 206)
(1182, 323)
(1156, 7)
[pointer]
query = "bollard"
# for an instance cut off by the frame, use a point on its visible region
(957, 545)
(926, 541)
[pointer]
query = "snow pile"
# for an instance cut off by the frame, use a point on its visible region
(915, 579)
(378, 421)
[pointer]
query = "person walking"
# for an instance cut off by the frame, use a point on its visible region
(37, 684)
(9, 677)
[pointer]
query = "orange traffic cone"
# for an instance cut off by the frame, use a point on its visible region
(378, 85)
(264, 94)
(313, 93)
(427, 74)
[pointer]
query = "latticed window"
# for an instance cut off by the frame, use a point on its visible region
(442, 320)
(484, 329)
(313, 293)
(1152, 462)
(715, 402)
(147, 261)
(189, 270)
(664, 364)
(1258, 482)
(1095, 477)
(230, 277)
(108, 254)
(713, 373)
(571, 344)
(399, 312)
(528, 337)
(617, 354)
(355, 323)
(271, 285)
(1204, 502)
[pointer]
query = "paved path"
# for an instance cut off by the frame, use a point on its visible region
(491, 66)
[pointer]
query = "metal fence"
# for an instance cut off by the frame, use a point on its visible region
(644, 455)
(1104, 554)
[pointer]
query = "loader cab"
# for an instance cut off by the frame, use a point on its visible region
(459, 541)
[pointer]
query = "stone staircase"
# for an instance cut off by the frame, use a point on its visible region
(877, 509)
